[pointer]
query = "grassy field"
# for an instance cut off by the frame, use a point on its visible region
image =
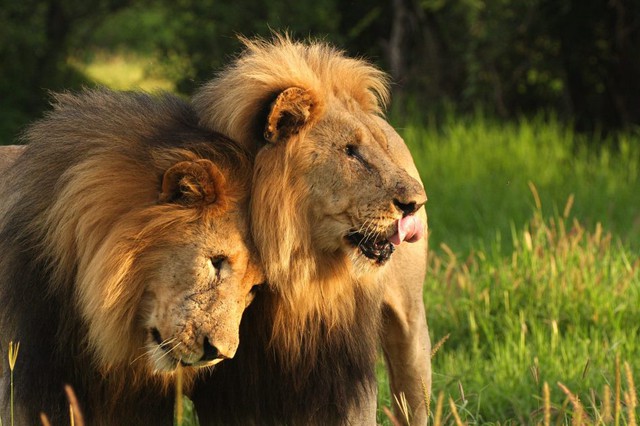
(534, 271)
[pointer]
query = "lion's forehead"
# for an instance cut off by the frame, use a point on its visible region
(354, 126)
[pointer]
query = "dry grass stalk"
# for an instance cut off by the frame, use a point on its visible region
(438, 345)
(606, 405)
(547, 404)
(13, 356)
(403, 406)
(44, 419)
(461, 389)
(630, 396)
(631, 409)
(578, 409)
(617, 405)
(392, 418)
(437, 420)
(427, 398)
(179, 403)
(536, 197)
(454, 411)
(75, 413)
(568, 206)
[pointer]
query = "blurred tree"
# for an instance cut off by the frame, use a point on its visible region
(519, 56)
(509, 57)
(600, 56)
(35, 38)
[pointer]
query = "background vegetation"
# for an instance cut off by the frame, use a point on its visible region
(522, 116)
(578, 58)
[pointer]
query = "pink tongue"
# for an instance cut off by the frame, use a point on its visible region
(410, 229)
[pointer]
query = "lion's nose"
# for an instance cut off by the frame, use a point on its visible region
(210, 352)
(406, 208)
(410, 206)
(409, 198)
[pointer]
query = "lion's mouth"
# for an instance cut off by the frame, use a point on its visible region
(376, 247)
(168, 361)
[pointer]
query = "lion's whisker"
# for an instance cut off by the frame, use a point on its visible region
(370, 231)
(167, 342)
(167, 352)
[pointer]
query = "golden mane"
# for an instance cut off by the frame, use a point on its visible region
(233, 103)
(318, 291)
(82, 234)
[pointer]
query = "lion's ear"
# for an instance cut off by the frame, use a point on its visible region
(192, 183)
(289, 113)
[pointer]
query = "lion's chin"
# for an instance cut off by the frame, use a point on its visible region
(164, 363)
(376, 248)
(163, 360)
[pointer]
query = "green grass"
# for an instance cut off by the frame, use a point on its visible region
(477, 170)
(533, 284)
(124, 72)
(559, 309)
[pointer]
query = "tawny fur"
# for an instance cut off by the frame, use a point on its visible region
(232, 104)
(299, 105)
(234, 101)
(84, 233)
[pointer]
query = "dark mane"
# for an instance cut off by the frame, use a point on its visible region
(37, 284)
(257, 387)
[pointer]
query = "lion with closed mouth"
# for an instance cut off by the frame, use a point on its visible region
(125, 253)
(335, 196)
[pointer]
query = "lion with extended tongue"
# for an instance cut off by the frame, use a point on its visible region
(335, 193)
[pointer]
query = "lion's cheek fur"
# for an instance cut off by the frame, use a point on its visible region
(305, 258)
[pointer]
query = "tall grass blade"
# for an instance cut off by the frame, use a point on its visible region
(44, 419)
(438, 345)
(630, 396)
(392, 418)
(427, 398)
(606, 405)
(77, 418)
(437, 419)
(403, 406)
(578, 409)
(179, 407)
(547, 404)
(13, 356)
(617, 405)
(454, 412)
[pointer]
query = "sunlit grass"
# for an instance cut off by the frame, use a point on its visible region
(476, 172)
(560, 309)
(124, 72)
(13, 356)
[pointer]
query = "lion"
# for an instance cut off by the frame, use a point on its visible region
(335, 194)
(126, 254)
(8, 155)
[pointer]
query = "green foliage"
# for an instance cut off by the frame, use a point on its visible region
(189, 415)
(558, 309)
(509, 56)
(36, 37)
(553, 298)
(476, 171)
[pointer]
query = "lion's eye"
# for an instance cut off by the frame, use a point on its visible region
(217, 262)
(351, 151)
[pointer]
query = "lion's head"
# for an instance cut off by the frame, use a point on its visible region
(192, 265)
(126, 247)
(329, 199)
